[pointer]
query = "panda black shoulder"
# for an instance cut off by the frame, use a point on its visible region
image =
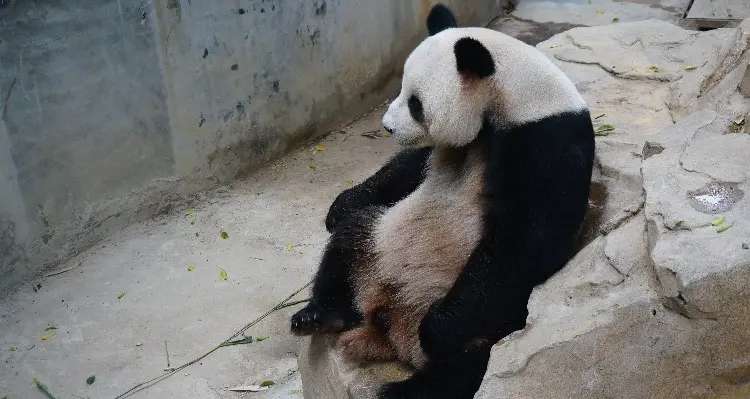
(531, 162)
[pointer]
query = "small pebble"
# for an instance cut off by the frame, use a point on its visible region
(745, 246)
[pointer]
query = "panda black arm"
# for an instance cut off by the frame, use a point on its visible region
(537, 187)
(399, 177)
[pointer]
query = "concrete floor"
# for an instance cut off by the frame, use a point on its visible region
(121, 341)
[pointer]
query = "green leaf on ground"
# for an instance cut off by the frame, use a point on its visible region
(723, 228)
(191, 267)
(266, 383)
(43, 388)
(224, 235)
(223, 274)
(90, 380)
(719, 220)
(604, 128)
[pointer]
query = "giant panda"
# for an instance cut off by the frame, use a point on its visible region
(432, 259)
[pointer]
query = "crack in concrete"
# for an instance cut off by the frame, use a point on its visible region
(684, 308)
(579, 45)
(611, 264)
(634, 42)
(736, 53)
(622, 75)
(560, 57)
(704, 174)
(7, 97)
(625, 216)
(669, 110)
(683, 151)
(677, 226)
(670, 283)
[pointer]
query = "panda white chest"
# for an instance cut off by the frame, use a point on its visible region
(423, 242)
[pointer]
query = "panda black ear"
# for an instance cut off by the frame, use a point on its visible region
(473, 59)
(440, 19)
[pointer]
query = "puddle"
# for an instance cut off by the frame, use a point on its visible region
(715, 197)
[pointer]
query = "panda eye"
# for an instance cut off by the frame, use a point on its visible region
(415, 108)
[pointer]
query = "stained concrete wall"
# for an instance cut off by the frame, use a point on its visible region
(114, 111)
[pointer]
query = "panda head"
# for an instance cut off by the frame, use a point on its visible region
(446, 87)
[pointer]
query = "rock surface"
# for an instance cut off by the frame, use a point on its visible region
(657, 304)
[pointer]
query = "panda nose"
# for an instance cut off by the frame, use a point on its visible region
(387, 129)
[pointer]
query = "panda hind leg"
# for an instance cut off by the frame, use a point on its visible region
(371, 342)
(365, 344)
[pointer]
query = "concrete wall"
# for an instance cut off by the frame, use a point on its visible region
(114, 111)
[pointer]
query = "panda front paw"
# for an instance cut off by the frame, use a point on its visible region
(315, 319)
(342, 207)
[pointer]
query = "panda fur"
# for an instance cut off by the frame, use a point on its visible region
(432, 260)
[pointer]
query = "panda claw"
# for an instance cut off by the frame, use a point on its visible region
(315, 319)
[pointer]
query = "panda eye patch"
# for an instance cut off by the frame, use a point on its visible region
(415, 108)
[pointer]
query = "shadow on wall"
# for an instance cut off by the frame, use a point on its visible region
(114, 112)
